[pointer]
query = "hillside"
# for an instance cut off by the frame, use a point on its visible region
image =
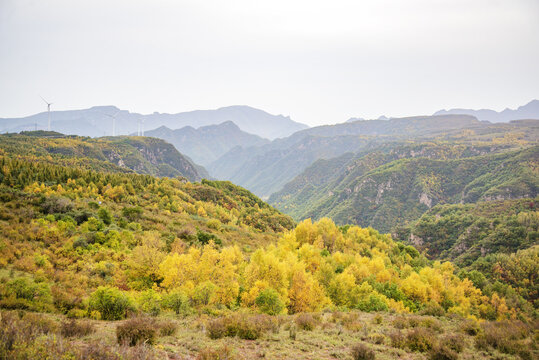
(266, 169)
(385, 190)
(495, 241)
(207, 143)
(198, 267)
(143, 155)
(96, 121)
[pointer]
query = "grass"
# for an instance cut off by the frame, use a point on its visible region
(331, 338)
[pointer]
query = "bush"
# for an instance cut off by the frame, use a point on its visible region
(362, 352)
(111, 303)
(216, 328)
(150, 302)
(249, 329)
(432, 309)
(420, 339)
(176, 301)
(136, 331)
(76, 314)
(502, 335)
(167, 328)
(269, 302)
(105, 216)
(377, 338)
(442, 352)
(74, 328)
(305, 321)
(223, 353)
(470, 327)
(398, 339)
(243, 326)
(454, 342)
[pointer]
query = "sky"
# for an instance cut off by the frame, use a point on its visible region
(319, 62)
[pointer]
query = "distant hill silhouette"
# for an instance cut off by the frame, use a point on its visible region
(96, 121)
(528, 111)
(207, 143)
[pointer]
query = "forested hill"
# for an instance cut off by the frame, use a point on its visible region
(387, 189)
(143, 155)
(266, 169)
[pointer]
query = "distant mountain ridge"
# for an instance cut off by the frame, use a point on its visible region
(96, 121)
(207, 143)
(266, 169)
(528, 111)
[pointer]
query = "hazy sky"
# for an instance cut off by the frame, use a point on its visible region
(317, 61)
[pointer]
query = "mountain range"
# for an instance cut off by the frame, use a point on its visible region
(207, 143)
(97, 121)
(528, 111)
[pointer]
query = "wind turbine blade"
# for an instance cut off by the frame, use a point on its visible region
(44, 100)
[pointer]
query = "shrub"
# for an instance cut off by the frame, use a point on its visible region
(400, 322)
(398, 339)
(243, 326)
(442, 352)
(372, 303)
(150, 302)
(470, 327)
(105, 216)
(362, 352)
(377, 319)
(454, 342)
(216, 328)
(305, 321)
(136, 331)
(249, 329)
(111, 303)
(74, 328)
(420, 339)
(377, 338)
(76, 314)
(167, 328)
(214, 224)
(433, 309)
(502, 335)
(269, 302)
(222, 353)
(177, 301)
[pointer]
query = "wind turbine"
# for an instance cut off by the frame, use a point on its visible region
(49, 111)
(113, 117)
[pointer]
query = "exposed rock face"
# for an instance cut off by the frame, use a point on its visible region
(381, 188)
(416, 240)
(425, 200)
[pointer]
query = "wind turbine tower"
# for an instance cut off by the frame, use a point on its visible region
(113, 117)
(49, 111)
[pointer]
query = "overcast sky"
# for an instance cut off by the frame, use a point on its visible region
(317, 61)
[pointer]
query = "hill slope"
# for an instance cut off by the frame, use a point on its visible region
(380, 190)
(143, 155)
(265, 169)
(207, 143)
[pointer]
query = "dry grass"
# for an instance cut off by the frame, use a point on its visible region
(332, 337)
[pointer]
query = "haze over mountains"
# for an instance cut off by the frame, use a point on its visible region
(528, 111)
(96, 121)
(207, 143)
